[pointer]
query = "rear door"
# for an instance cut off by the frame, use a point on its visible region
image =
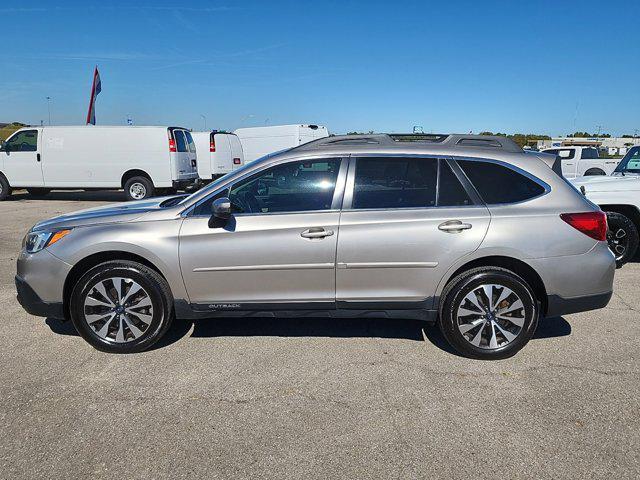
(22, 159)
(236, 151)
(222, 160)
(184, 157)
(405, 221)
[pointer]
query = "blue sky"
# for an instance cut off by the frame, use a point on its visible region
(536, 66)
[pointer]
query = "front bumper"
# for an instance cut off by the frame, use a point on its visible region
(34, 305)
(557, 305)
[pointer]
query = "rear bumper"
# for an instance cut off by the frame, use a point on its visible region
(186, 183)
(34, 305)
(558, 305)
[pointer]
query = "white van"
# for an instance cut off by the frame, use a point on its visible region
(218, 153)
(141, 160)
(260, 141)
(583, 161)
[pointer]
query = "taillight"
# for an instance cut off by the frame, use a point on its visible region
(212, 145)
(172, 145)
(593, 224)
(236, 161)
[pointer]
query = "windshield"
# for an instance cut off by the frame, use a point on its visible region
(213, 186)
(630, 162)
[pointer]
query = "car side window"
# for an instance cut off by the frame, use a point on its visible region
(181, 143)
(589, 153)
(300, 186)
(451, 193)
(498, 184)
(395, 182)
(25, 141)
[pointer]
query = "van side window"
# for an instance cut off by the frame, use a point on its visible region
(306, 185)
(181, 143)
(498, 184)
(25, 141)
(388, 182)
(451, 193)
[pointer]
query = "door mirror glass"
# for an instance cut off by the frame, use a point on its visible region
(221, 208)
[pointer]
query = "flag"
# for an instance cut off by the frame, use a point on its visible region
(96, 87)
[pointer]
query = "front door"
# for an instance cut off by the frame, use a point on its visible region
(278, 248)
(405, 221)
(22, 164)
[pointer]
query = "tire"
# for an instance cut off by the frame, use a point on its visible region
(138, 188)
(477, 341)
(109, 326)
(594, 171)
(5, 188)
(38, 192)
(622, 237)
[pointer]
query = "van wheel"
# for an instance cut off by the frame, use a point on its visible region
(488, 313)
(121, 307)
(5, 188)
(38, 192)
(594, 171)
(138, 188)
(622, 237)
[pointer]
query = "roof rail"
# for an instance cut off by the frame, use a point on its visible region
(418, 139)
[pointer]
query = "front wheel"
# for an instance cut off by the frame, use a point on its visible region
(138, 188)
(622, 237)
(121, 307)
(488, 313)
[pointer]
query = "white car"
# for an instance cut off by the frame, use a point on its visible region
(619, 196)
(583, 161)
(260, 141)
(141, 160)
(218, 153)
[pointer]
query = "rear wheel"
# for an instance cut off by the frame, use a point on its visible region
(5, 188)
(121, 307)
(622, 237)
(488, 313)
(138, 188)
(38, 192)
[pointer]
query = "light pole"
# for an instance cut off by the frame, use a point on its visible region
(205, 122)
(49, 109)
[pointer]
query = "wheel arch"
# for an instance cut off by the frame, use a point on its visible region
(87, 263)
(134, 172)
(630, 211)
(517, 266)
(592, 171)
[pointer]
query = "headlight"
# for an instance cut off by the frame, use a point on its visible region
(36, 241)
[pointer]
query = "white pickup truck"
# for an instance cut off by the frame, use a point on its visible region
(583, 161)
(619, 196)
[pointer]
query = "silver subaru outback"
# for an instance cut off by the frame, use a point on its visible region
(468, 232)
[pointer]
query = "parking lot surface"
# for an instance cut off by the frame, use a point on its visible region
(313, 398)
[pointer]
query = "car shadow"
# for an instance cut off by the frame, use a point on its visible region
(414, 330)
(71, 195)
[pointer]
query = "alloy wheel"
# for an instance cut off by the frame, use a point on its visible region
(118, 309)
(618, 241)
(491, 316)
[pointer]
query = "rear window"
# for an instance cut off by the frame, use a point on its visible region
(190, 145)
(589, 153)
(498, 184)
(181, 143)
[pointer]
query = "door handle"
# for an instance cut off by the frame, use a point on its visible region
(454, 226)
(37, 157)
(316, 232)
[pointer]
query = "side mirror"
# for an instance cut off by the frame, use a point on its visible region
(3, 146)
(220, 212)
